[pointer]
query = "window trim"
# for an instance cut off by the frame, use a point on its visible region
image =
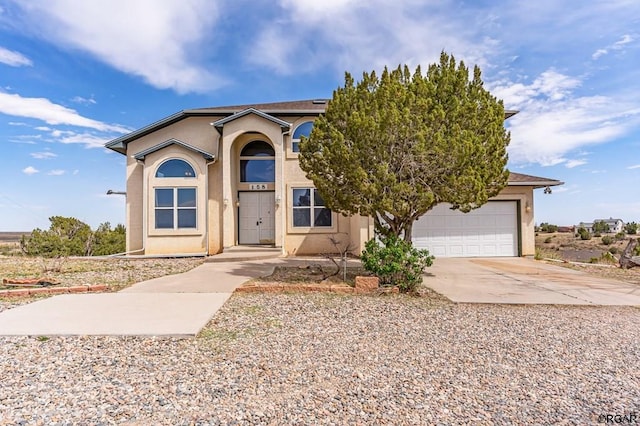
(296, 141)
(175, 209)
(193, 169)
(312, 228)
(255, 158)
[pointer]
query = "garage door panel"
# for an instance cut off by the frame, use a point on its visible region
(488, 231)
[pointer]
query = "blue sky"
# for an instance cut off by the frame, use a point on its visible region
(74, 75)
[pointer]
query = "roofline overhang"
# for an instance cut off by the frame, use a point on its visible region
(120, 144)
(219, 125)
(142, 154)
(537, 184)
(508, 113)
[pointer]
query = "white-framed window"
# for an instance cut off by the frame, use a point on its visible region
(309, 210)
(257, 163)
(175, 208)
(303, 129)
(175, 168)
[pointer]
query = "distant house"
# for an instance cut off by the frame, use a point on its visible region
(566, 229)
(615, 225)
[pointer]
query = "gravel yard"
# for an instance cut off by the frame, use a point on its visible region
(333, 359)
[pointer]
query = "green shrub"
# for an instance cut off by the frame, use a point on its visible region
(548, 240)
(396, 262)
(584, 234)
(108, 241)
(631, 228)
(542, 253)
(68, 236)
(613, 250)
(607, 240)
(620, 236)
(547, 227)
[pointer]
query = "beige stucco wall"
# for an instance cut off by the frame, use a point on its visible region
(524, 195)
(235, 137)
(141, 238)
(218, 185)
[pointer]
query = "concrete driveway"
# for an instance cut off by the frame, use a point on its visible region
(524, 281)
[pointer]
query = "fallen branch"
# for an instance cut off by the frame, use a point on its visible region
(28, 282)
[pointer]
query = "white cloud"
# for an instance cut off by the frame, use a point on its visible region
(570, 164)
(156, 40)
(359, 35)
(56, 172)
(13, 59)
(51, 113)
(84, 101)
(618, 45)
(30, 170)
(46, 155)
(554, 121)
(636, 166)
(87, 139)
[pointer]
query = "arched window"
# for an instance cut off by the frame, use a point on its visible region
(175, 206)
(258, 162)
(302, 130)
(175, 168)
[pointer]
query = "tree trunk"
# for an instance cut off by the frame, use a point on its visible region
(408, 229)
(627, 259)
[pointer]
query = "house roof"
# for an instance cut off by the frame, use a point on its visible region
(519, 179)
(608, 221)
(289, 108)
(140, 155)
(220, 123)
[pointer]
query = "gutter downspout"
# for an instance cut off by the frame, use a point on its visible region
(283, 195)
(206, 210)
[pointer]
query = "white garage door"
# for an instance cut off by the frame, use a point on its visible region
(491, 230)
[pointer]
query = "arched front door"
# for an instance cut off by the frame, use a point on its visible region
(256, 199)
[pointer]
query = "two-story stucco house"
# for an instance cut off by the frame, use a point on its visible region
(203, 180)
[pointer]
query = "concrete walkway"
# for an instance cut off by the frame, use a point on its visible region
(175, 305)
(180, 305)
(525, 281)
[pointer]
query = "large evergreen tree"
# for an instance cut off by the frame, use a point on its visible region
(394, 146)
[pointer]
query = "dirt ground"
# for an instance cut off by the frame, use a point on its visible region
(594, 257)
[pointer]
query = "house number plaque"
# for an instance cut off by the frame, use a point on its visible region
(257, 186)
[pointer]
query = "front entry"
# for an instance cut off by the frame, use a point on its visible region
(257, 217)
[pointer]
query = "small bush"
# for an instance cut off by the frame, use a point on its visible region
(547, 227)
(597, 234)
(546, 254)
(607, 257)
(584, 234)
(396, 262)
(620, 236)
(68, 236)
(548, 240)
(607, 240)
(613, 250)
